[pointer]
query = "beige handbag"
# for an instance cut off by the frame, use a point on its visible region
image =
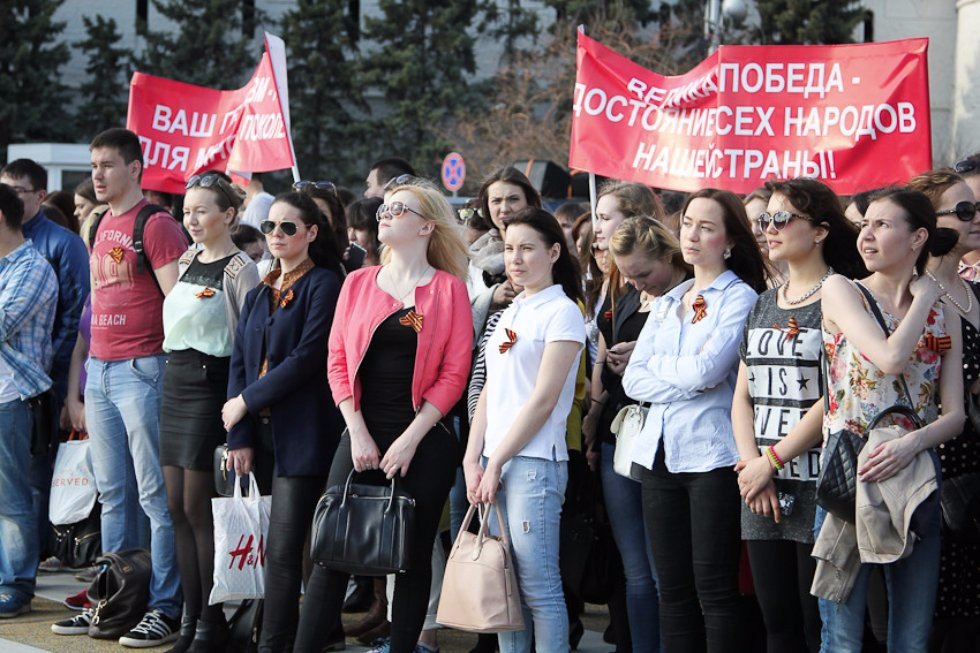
(627, 426)
(479, 589)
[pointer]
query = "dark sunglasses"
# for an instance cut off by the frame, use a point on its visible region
(400, 180)
(395, 210)
(966, 165)
(304, 186)
(288, 228)
(965, 211)
(210, 180)
(778, 219)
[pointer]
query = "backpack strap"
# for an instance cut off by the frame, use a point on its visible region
(142, 262)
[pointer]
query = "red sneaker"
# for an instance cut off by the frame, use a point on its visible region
(78, 601)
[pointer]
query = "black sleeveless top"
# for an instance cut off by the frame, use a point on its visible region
(386, 379)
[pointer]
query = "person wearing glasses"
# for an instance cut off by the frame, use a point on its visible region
(685, 364)
(777, 407)
(957, 619)
(276, 410)
(200, 316)
(399, 358)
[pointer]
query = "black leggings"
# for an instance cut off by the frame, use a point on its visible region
(782, 572)
(694, 524)
(430, 476)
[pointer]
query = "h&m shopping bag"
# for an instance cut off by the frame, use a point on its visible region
(241, 527)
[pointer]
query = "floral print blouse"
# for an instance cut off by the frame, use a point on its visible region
(859, 390)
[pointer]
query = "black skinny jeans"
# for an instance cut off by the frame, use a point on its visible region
(694, 523)
(782, 572)
(430, 476)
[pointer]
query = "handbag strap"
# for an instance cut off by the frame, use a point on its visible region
(350, 479)
(876, 311)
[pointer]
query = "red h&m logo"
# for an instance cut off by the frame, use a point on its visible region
(245, 555)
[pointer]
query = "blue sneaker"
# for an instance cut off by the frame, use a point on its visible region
(12, 605)
(381, 645)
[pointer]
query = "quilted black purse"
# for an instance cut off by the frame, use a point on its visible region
(363, 529)
(837, 482)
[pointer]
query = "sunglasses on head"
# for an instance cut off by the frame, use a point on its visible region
(965, 211)
(400, 180)
(305, 186)
(778, 219)
(288, 228)
(210, 180)
(466, 213)
(966, 165)
(395, 210)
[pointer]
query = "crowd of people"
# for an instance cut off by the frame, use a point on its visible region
(495, 353)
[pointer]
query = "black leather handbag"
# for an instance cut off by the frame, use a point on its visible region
(960, 501)
(837, 482)
(363, 529)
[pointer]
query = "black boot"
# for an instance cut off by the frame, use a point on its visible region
(210, 637)
(188, 624)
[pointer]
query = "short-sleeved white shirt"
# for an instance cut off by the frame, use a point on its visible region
(546, 316)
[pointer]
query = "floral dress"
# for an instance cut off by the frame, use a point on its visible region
(859, 390)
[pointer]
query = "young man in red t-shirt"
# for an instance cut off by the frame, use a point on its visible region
(125, 376)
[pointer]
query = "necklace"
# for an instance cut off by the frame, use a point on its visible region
(969, 294)
(808, 294)
(401, 297)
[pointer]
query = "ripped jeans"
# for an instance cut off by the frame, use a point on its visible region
(532, 491)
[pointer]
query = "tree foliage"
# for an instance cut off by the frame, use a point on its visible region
(103, 93)
(785, 22)
(33, 100)
(205, 45)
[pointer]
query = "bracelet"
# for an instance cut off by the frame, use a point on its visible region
(597, 401)
(598, 362)
(774, 459)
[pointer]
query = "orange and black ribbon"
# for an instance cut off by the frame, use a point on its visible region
(206, 293)
(938, 345)
(117, 254)
(285, 299)
(792, 328)
(412, 319)
(700, 308)
(511, 339)
(608, 315)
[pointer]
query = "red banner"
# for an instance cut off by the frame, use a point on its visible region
(853, 116)
(185, 129)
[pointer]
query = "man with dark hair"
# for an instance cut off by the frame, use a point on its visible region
(28, 297)
(257, 202)
(66, 253)
(125, 371)
(383, 171)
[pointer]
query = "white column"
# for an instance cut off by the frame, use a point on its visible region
(966, 85)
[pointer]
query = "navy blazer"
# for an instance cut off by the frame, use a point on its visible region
(306, 425)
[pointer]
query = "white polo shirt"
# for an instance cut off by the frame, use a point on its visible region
(546, 316)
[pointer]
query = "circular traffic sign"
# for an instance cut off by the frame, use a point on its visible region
(453, 171)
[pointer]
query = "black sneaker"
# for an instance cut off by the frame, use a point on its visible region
(77, 625)
(155, 629)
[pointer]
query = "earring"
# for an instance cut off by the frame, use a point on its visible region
(728, 253)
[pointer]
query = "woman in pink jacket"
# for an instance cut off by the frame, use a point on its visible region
(399, 358)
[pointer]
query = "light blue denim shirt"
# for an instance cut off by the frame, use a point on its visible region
(687, 372)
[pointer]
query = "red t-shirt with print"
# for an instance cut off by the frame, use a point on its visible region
(127, 306)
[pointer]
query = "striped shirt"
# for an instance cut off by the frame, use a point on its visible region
(28, 299)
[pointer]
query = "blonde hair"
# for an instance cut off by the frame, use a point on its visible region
(447, 250)
(650, 237)
(634, 199)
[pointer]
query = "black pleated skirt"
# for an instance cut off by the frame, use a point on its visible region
(195, 387)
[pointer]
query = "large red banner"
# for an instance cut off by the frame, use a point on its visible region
(185, 129)
(853, 116)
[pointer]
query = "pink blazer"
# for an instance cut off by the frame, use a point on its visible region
(442, 365)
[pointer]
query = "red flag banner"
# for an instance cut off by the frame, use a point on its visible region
(853, 116)
(185, 129)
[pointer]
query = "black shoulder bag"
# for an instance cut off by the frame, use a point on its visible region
(837, 482)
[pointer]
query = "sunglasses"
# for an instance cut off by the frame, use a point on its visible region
(395, 210)
(305, 186)
(965, 211)
(778, 219)
(467, 213)
(210, 180)
(966, 165)
(288, 228)
(400, 180)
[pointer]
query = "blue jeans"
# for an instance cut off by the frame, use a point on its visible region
(18, 529)
(624, 506)
(912, 585)
(531, 493)
(122, 411)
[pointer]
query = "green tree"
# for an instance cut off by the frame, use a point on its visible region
(324, 98)
(205, 44)
(784, 22)
(420, 67)
(509, 26)
(103, 93)
(33, 99)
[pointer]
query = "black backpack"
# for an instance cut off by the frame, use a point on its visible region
(142, 261)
